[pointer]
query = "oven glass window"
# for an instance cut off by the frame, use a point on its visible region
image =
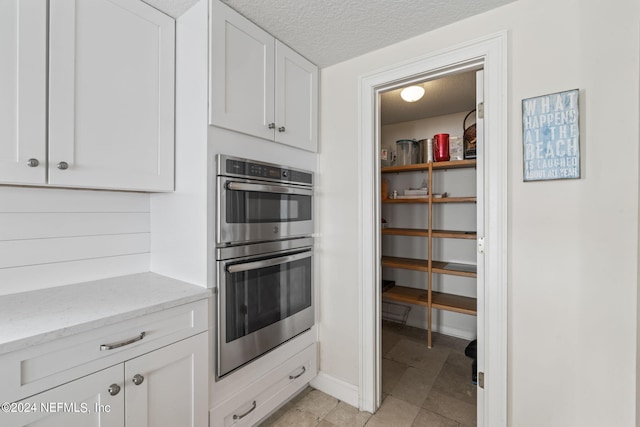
(245, 207)
(258, 298)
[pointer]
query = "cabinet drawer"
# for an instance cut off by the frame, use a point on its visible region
(259, 399)
(41, 367)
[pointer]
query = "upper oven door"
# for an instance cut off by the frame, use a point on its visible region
(255, 211)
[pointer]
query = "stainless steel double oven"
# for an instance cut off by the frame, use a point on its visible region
(264, 258)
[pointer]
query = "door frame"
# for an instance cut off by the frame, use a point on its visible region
(490, 53)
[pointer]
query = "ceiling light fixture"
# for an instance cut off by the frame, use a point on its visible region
(412, 93)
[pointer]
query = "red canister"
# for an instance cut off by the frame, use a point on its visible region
(441, 147)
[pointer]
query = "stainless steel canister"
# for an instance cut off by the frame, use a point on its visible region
(407, 152)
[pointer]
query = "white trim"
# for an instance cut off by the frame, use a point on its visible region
(490, 53)
(348, 393)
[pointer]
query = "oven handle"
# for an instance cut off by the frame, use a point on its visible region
(264, 188)
(236, 268)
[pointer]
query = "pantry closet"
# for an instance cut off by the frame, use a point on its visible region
(430, 216)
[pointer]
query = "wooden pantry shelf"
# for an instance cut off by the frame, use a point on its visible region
(416, 232)
(409, 200)
(439, 267)
(454, 234)
(408, 295)
(441, 301)
(457, 303)
(423, 232)
(405, 168)
(453, 200)
(453, 164)
(433, 200)
(405, 263)
(454, 269)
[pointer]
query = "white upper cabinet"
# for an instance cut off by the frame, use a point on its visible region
(111, 82)
(23, 91)
(259, 86)
(242, 74)
(296, 99)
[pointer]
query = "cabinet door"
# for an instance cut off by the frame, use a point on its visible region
(171, 387)
(242, 74)
(111, 95)
(80, 403)
(23, 84)
(296, 99)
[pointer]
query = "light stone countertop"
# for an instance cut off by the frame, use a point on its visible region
(35, 317)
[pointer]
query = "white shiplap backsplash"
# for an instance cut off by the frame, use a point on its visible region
(52, 237)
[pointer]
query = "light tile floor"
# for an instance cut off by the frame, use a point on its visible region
(421, 387)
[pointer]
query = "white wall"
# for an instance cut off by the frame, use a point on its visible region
(179, 220)
(51, 237)
(572, 244)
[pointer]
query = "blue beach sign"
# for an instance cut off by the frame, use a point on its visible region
(551, 136)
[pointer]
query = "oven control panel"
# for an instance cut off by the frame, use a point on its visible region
(260, 170)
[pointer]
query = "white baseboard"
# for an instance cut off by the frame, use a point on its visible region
(341, 390)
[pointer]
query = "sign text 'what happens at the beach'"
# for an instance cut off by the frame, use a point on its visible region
(551, 136)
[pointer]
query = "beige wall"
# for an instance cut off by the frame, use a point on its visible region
(573, 245)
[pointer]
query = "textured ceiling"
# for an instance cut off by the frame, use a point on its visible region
(330, 31)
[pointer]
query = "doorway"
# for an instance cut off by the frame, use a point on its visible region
(432, 205)
(489, 54)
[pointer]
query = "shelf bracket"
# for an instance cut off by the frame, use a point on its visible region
(481, 245)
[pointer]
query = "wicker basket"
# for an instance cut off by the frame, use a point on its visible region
(469, 137)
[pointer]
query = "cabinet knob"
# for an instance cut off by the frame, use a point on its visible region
(113, 389)
(63, 165)
(32, 163)
(138, 379)
(272, 125)
(281, 129)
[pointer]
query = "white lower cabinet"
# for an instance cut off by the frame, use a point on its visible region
(166, 387)
(151, 371)
(83, 402)
(256, 401)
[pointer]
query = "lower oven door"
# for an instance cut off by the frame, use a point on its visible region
(262, 302)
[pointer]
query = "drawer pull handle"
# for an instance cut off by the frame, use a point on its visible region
(239, 417)
(293, 377)
(122, 343)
